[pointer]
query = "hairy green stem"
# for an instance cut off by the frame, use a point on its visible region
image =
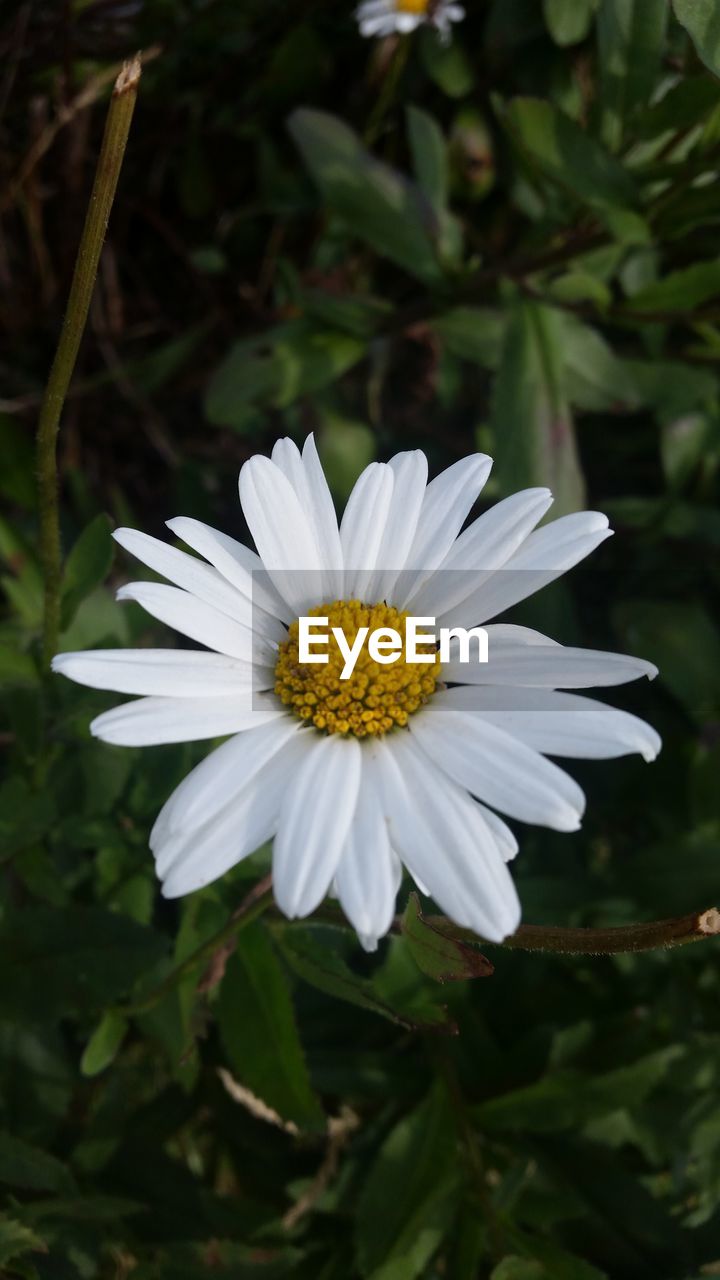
(615, 940)
(117, 128)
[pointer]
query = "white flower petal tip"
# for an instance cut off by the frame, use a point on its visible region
(393, 17)
(368, 942)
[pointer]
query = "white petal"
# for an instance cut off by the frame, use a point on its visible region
(544, 556)
(558, 724)
(366, 879)
(283, 536)
(371, 8)
(498, 769)
(444, 841)
(184, 571)
(219, 778)
(363, 525)
(504, 837)
(175, 673)
(509, 633)
(446, 504)
(307, 477)
(314, 823)
(484, 547)
(409, 482)
(380, 26)
(148, 722)
(407, 22)
(548, 666)
(199, 621)
(201, 856)
(241, 567)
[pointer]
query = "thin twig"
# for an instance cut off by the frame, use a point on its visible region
(111, 156)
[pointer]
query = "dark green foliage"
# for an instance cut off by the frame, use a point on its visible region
(511, 243)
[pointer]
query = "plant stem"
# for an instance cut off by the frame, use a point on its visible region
(215, 951)
(616, 940)
(387, 91)
(117, 128)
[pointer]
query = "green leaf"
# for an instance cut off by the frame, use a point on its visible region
(683, 640)
(631, 36)
(671, 388)
(569, 21)
(87, 566)
(406, 1203)
(429, 155)
(701, 18)
(360, 316)
(104, 1043)
(277, 368)
(681, 290)
(102, 618)
(373, 201)
(687, 103)
(473, 333)
(309, 952)
(26, 1166)
(439, 956)
(16, 1239)
(556, 1262)
(568, 1099)
(25, 816)
(345, 449)
(258, 1029)
(685, 442)
(563, 152)
(516, 1268)
(446, 64)
(594, 378)
(76, 960)
(531, 419)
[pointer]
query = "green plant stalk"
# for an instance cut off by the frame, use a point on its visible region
(615, 940)
(387, 91)
(109, 164)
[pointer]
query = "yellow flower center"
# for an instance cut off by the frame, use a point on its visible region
(376, 697)
(412, 6)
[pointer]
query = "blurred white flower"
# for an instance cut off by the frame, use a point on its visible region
(400, 765)
(385, 17)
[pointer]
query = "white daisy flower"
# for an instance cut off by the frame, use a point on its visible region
(401, 765)
(385, 17)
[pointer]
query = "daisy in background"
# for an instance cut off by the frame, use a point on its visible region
(402, 765)
(387, 17)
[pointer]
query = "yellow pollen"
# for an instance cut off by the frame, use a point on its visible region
(412, 6)
(376, 697)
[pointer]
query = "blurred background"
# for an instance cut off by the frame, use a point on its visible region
(508, 243)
